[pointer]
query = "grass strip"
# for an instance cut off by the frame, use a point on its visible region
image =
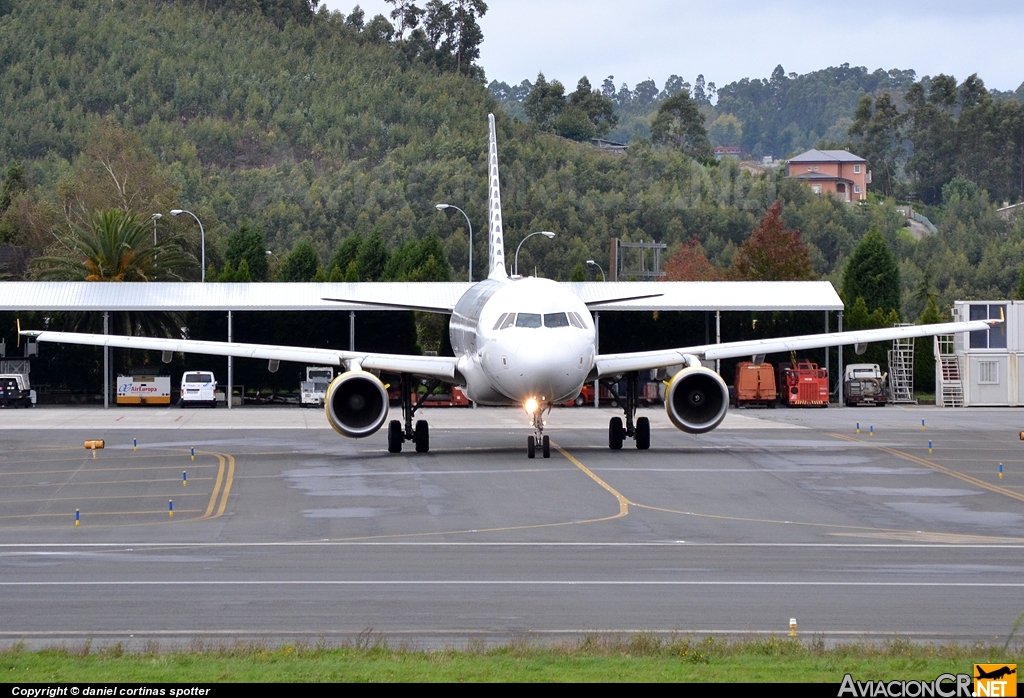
(640, 657)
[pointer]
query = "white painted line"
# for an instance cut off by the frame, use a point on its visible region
(505, 582)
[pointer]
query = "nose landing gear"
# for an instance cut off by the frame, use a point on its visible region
(539, 438)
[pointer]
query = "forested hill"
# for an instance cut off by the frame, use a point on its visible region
(336, 128)
(313, 128)
(780, 115)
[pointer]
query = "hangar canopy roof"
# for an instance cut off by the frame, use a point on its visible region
(66, 296)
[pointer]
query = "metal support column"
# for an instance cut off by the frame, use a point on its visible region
(351, 330)
(828, 350)
(106, 362)
(840, 367)
(597, 348)
(718, 339)
(231, 365)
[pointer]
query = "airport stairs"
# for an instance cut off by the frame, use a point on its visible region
(901, 371)
(949, 381)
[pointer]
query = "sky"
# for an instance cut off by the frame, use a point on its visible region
(727, 40)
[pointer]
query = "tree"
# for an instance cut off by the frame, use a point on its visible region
(773, 252)
(879, 129)
(597, 108)
(871, 273)
(248, 245)
(301, 263)
(679, 124)
(115, 171)
(115, 246)
(545, 101)
(454, 35)
(689, 263)
(419, 260)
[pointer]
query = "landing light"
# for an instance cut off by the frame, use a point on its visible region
(530, 406)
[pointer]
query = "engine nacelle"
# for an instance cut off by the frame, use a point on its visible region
(356, 404)
(696, 400)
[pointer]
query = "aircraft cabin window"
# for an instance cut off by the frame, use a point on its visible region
(528, 320)
(509, 321)
(501, 319)
(555, 320)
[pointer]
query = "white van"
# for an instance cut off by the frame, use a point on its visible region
(198, 388)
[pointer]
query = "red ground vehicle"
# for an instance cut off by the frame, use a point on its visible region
(454, 398)
(754, 384)
(805, 384)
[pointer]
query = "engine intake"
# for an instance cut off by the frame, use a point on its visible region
(696, 400)
(356, 404)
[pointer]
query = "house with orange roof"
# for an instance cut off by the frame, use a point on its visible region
(836, 172)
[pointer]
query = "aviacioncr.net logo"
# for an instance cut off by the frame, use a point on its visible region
(995, 680)
(944, 686)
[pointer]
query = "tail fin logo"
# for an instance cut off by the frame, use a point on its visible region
(496, 245)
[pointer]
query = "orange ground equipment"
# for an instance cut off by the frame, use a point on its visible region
(805, 385)
(754, 384)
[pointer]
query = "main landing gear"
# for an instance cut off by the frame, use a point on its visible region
(640, 430)
(539, 438)
(420, 435)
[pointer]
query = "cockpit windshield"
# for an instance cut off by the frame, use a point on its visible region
(528, 320)
(533, 320)
(555, 320)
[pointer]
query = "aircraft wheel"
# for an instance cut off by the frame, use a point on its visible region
(643, 433)
(546, 446)
(422, 436)
(580, 401)
(395, 437)
(615, 433)
(531, 447)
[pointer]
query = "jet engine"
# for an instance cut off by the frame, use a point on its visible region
(696, 400)
(356, 404)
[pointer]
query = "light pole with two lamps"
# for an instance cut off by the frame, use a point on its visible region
(441, 207)
(546, 233)
(202, 235)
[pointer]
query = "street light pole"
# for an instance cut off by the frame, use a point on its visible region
(592, 263)
(156, 217)
(546, 233)
(441, 207)
(202, 236)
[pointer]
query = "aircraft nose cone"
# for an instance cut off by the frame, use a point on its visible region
(543, 369)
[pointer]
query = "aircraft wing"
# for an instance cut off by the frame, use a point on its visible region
(443, 367)
(614, 364)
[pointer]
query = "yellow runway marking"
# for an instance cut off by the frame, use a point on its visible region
(221, 488)
(623, 502)
(935, 466)
(174, 495)
(101, 482)
(99, 470)
(90, 514)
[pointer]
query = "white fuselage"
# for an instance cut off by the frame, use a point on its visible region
(519, 339)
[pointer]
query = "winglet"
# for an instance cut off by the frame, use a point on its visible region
(496, 245)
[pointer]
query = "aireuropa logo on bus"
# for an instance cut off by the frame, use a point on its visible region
(995, 680)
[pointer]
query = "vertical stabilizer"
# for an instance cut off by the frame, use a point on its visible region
(495, 241)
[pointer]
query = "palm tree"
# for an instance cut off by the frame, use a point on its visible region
(115, 246)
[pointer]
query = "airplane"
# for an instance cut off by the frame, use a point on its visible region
(517, 341)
